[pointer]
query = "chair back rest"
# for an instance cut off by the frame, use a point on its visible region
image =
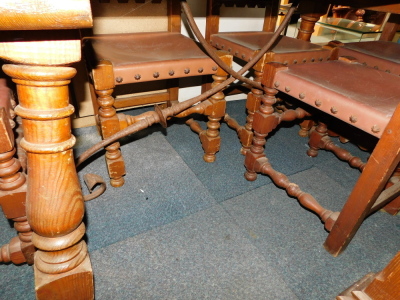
(128, 16)
(214, 10)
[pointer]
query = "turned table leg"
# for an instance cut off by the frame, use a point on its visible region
(40, 37)
(54, 203)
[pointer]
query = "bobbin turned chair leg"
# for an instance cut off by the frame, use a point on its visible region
(12, 196)
(245, 132)
(210, 138)
(252, 105)
(103, 81)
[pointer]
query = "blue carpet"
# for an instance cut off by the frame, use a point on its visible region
(159, 189)
(203, 256)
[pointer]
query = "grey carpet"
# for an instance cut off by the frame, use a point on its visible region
(181, 228)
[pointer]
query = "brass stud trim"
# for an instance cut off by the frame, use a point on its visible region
(353, 119)
(156, 74)
(375, 129)
(171, 73)
(287, 89)
(138, 76)
(318, 103)
(200, 70)
(334, 110)
(215, 68)
(119, 79)
(302, 95)
(186, 71)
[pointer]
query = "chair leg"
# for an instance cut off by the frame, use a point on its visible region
(319, 139)
(381, 165)
(13, 197)
(305, 128)
(245, 133)
(210, 138)
(108, 121)
(266, 120)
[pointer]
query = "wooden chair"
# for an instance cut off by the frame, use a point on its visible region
(380, 55)
(245, 45)
(131, 58)
(331, 88)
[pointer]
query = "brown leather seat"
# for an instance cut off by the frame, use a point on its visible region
(346, 91)
(363, 97)
(381, 55)
(151, 56)
(286, 50)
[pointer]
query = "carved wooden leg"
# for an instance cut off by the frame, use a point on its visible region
(245, 133)
(13, 193)
(210, 138)
(305, 31)
(305, 127)
(252, 105)
(307, 26)
(319, 139)
(266, 120)
(381, 165)
(54, 202)
(12, 200)
(215, 110)
(103, 78)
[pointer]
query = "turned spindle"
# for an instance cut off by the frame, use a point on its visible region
(108, 120)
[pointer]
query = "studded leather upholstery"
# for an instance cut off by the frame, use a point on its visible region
(381, 55)
(152, 56)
